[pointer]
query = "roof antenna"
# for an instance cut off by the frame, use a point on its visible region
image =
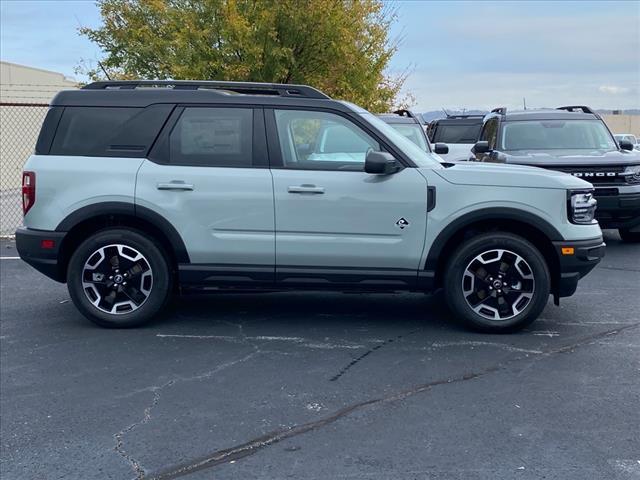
(445, 112)
(524, 102)
(105, 71)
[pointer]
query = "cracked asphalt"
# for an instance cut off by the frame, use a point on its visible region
(321, 386)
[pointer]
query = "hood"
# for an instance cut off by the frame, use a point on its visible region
(501, 175)
(560, 158)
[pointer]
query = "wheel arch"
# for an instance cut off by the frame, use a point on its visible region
(92, 218)
(524, 224)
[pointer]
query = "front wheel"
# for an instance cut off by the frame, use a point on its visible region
(497, 282)
(629, 236)
(119, 278)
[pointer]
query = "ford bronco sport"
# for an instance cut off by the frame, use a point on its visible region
(140, 188)
(574, 140)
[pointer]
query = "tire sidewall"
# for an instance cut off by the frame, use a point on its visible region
(482, 243)
(157, 261)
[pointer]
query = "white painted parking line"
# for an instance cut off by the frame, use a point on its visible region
(546, 333)
(9, 258)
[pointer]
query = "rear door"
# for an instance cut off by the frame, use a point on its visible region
(208, 176)
(334, 222)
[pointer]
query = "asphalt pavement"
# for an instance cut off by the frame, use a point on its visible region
(321, 386)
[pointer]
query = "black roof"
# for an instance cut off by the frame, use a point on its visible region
(578, 112)
(142, 93)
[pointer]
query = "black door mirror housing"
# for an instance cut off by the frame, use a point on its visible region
(441, 148)
(380, 163)
(625, 145)
(481, 147)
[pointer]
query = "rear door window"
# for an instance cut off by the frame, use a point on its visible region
(212, 137)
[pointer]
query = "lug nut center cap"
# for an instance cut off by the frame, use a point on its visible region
(118, 279)
(497, 284)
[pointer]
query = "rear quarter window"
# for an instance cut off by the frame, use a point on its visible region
(108, 131)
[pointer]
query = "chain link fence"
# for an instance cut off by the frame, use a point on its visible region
(19, 128)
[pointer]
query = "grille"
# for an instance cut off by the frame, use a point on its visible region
(608, 175)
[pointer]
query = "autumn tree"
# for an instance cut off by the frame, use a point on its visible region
(340, 47)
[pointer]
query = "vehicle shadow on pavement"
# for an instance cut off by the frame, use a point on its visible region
(312, 309)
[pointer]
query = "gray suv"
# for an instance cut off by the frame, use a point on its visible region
(140, 188)
(574, 140)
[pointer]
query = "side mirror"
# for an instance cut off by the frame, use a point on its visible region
(441, 148)
(380, 163)
(481, 147)
(625, 145)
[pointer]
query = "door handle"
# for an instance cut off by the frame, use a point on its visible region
(174, 185)
(306, 189)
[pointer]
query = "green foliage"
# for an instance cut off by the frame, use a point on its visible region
(340, 47)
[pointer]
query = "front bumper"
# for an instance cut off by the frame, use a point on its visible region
(573, 266)
(618, 209)
(31, 249)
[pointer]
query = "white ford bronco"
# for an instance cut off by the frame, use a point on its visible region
(139, 189)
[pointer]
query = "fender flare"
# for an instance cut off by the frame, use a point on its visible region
(492, 213)
(129, 209)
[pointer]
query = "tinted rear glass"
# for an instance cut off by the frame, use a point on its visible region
(108, 131)
(456, 133)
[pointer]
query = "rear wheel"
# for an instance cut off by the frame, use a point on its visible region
(119, 278)
(629, 236)
(497, 282)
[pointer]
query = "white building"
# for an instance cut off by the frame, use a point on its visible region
(22, 84)
(25, 93)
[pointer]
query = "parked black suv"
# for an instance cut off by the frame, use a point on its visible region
(574, 140)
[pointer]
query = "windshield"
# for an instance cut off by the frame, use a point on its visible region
(556, 135)
(456, 133)
(420, 157)
(413, 132)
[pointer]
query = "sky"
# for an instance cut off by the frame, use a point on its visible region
(458, 54)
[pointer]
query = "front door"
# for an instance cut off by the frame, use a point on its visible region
(334, 222)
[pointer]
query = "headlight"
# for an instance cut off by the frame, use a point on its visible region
(582, 207)
(632, 174)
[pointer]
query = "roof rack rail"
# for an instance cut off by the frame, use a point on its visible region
(247, 88)
(500, 110)
(573, 108)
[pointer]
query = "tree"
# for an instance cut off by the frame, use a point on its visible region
(340, 47)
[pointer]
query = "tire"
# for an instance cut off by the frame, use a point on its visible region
(123, 293)
(524, 285)
(629, 236)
